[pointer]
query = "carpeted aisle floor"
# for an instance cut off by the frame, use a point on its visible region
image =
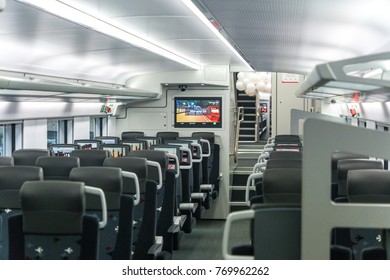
(205, 241)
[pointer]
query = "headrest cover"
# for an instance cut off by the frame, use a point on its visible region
(53, 207)
(109, 179)
(284, 163)
(167, 135)
(338, 155)
(28, 156)
(6, 161)
(131, 135)
(287, 138)
(282, 185)
(136, 165)
(368, 186)
(91, 157)
(152, 155)
(345, 165)
(57, 167)
(11, 180)
(285, 154)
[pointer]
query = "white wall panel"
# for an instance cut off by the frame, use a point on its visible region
(35, 134)
(81, 127)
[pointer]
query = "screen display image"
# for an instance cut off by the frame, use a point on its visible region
(116, 151)
(108, 140)
(135, 146)
(166, 149)
(150, 141)
(198, 112)
(88, 144)
(62, 151)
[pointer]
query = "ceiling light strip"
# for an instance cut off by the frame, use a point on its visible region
(190, 5)
(101, 25)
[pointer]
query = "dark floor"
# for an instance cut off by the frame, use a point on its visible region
(205, 241)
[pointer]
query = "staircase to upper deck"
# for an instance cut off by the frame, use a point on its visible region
(247, 156)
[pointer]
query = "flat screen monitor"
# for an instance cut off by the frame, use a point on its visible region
(108, 139)
(135, 145)
(116, 150)
(198, 112)
(167, 148)
(150, 141)
(87, 144)
(63, 150)
(181, 143)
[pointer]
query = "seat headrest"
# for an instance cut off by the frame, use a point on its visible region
(109, 179)
(91, 157)
(6, 161)
(167, 135)
(284, 163)
(11, 180)
(282, 185)
(338, 155)
(287, 138)
(210, 136)
(53, 207)
(28, 156)
(368, 186)
(285, 154)
(344, 165)
(139, 166)
(131, 135)
(153, 155)
(57, 167)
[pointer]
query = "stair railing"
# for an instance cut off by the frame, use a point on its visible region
(240, 119)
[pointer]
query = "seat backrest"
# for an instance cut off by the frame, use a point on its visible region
(57, 168)
(6, 161)
(285, 155)
(90, 157)
(109, 179)
(345, 165)
(11, 180)
(152, 155)
(167, 135)
(131, 135)
(339, 155)
(116, 237)
(139, 166)
(287, 138)
(52, 221)
(28, 157)
(277, 233)
(368, 186)
(282, 185)
(284, 163)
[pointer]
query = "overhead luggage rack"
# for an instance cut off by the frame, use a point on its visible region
(360, 79)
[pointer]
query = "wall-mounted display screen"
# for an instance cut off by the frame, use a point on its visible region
(199, 112)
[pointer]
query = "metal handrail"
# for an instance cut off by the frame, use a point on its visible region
(240, 119)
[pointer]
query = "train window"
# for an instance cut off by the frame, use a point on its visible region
(10, 138)
(98, 127)
(59, 131)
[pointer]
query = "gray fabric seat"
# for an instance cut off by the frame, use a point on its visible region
(116, 237)
(28, 157)
(6, 161)
(53, 224)
(345, 165)
(11, 180)
(90, 157)
(57, 168)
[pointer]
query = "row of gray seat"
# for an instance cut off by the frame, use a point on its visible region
(60, 168)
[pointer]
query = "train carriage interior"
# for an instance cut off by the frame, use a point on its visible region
(251, 129)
